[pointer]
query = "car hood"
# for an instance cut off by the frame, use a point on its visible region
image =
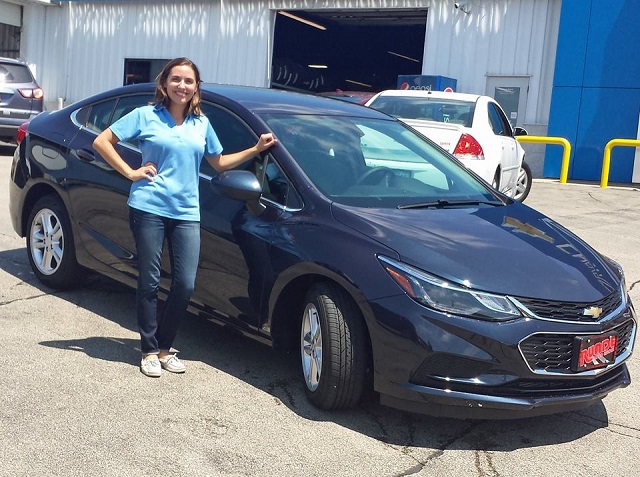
(510, 249)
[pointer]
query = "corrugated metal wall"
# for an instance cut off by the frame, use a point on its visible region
(85, 43)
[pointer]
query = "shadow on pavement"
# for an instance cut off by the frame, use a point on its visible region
(276, 372)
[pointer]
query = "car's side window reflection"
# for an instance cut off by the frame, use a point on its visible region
(233, 133)
(129, 103)
(99, 115)
(275, 185)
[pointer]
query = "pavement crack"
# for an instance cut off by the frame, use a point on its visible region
(633, 284)
(283, 385)
(9, 302)
(421, 464)
(483, 461)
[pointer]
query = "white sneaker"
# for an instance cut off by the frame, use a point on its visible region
(151, 366)
(172, 364)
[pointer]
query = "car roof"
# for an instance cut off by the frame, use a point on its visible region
(263, 100)
(12, 61)
(431, 94)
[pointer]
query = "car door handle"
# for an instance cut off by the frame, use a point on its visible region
(85, 155)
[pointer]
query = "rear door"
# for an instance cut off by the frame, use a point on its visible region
(509, 162)
(98, 193)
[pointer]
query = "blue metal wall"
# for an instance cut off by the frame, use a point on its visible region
(596, 87)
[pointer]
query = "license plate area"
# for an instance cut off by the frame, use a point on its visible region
(592, 352)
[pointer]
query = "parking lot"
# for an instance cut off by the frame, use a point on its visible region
(75, 403)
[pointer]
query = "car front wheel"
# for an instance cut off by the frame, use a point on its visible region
(50, 244)
(333, 348)
(523, 185)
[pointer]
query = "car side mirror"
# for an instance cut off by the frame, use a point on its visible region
(240, 185)
(518, 131)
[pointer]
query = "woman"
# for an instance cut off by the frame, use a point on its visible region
(173, 136)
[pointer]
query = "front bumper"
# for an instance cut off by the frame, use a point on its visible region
(458, 367)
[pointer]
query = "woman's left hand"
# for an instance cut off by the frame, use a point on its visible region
(265, 142)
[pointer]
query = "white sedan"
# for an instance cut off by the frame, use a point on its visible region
(472, 127)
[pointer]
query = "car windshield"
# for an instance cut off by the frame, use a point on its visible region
(429, 108)
(375, 162)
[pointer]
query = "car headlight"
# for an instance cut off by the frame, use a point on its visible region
(448, 297)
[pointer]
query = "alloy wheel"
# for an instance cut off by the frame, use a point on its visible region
(311, 347)
(47, 241)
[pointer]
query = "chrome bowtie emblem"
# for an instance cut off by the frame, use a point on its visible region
(594, 311)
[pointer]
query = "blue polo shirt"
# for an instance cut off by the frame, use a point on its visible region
(177, 152)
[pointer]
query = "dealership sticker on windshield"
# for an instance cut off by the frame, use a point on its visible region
(591, 352)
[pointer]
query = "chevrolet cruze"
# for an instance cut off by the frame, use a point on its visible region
(389, 267)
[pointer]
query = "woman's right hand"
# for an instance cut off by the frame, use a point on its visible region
(147, 171)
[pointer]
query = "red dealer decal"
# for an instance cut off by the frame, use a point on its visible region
(594, 351)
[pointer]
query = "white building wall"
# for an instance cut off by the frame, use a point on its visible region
(85, 43)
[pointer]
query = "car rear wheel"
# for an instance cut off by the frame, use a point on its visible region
(333, 348)
(523, 185)
(50, 244)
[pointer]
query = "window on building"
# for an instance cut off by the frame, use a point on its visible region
(142, 70)
(9, 41)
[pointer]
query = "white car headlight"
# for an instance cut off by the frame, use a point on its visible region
(447, 297)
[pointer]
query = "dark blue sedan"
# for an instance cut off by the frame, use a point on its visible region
(355, 240)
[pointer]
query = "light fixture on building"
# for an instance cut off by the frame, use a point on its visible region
(403, 56)
(359, 83)
(302, 20)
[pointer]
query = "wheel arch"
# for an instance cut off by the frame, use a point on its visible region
(288, 297)
(35, 193)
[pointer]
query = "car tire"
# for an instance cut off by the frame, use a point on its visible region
(333, 348)
(50, 245)
(523, 185)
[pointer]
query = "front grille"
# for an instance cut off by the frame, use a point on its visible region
(552, 352)
(572, 311)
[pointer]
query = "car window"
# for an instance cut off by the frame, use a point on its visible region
(97, 116)
(10, 73)
(372, 162)
(498, 121)
(127, 104)
(275, 185)
(431, 109)
(233, 133)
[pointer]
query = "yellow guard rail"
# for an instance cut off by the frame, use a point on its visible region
(606, 161)
(564, 170)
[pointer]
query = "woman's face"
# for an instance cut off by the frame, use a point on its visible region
(181, 85)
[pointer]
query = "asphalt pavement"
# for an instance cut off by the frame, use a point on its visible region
(73, 402)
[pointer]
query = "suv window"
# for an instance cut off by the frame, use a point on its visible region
(11, 73)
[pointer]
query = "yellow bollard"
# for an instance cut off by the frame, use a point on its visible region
(606, 160)
(566, 154)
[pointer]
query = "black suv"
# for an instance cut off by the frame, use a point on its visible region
(21, 97)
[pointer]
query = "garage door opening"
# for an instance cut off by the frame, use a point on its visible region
(350, 50)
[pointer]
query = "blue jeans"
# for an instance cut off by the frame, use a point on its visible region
(157, 328)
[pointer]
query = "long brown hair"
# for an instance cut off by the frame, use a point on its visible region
(161, 90)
